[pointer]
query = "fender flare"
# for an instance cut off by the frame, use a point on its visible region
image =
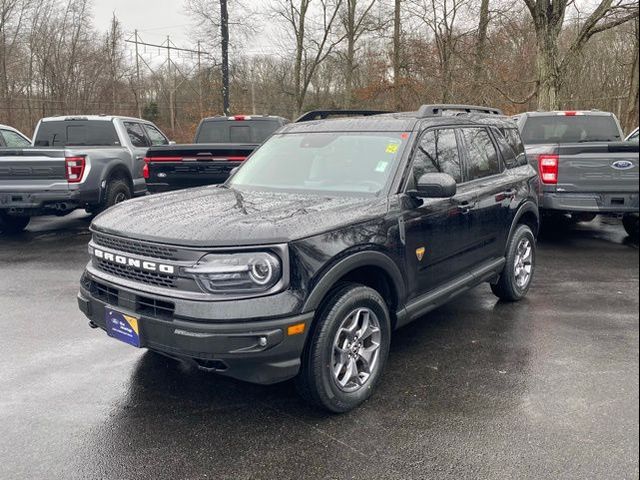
(368, 258)
(108, 170)
(527, 207)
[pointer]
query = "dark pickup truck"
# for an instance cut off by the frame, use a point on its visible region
(333, 234)
(585, 167)
(221, 144)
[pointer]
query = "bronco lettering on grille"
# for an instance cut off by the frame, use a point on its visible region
(134, 262)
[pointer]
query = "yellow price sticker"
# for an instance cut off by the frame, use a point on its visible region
(392, 148)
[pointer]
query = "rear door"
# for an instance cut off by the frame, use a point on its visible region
(495, 191)
(140, 143)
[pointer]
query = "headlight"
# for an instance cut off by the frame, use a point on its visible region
(237, 273)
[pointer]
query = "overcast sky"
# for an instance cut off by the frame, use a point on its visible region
(154, 19)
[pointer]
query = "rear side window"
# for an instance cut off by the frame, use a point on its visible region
(62, 133)
(236, 131)
(155, 136)
(570, 129)
(511, 147)
(437, 153)
(13, 140)
(136, 134)
(482, 156)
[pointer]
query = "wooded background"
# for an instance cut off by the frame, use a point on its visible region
(377, 54)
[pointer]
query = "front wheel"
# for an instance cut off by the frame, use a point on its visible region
(10, 224)
(347, 350)
(515, 279)
(630, 223)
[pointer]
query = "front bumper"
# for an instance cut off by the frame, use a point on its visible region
(257, 351)
(590, 202)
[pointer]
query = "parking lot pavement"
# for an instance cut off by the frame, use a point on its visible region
(547, 388)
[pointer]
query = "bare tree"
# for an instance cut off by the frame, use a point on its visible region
(480, 53)
(356, 19)
(548, 19)
(314, 39)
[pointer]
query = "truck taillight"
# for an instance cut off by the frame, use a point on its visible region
(74, 168)
(145, 169)
(548, 167)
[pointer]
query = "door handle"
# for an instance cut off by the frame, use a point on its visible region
(465, 207)
(507, 194)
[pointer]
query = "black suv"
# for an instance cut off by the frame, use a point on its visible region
(332, 235)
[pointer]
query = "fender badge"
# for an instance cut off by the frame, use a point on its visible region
(420, 253)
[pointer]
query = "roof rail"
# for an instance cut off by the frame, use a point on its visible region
(324, 114)
(437, 110)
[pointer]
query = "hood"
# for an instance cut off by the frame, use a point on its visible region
(213, 216)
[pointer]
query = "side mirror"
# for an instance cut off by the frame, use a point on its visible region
(171, 142)
(435, 185)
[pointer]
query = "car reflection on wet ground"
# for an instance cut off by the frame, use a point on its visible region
(547, 388)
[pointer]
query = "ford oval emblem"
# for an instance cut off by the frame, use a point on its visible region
(622, 165)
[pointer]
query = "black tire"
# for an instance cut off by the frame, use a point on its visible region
(510, 286)
(631, 226)
(117, 191)
(316, 381)
(11, 225)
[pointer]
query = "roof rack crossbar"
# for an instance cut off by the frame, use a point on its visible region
(324, 114)
(437, 110)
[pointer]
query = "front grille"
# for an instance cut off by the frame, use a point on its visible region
(136, 247)
(150, 278)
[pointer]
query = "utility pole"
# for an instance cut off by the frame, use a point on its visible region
(200, 83)
(224, 27)
(172, 111)
(138, 86)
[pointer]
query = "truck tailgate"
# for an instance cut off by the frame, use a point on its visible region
(597, 168)
(183, 166)
(25, 170)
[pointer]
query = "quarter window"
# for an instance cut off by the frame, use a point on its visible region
(136, 134)
(483, 160)
(437, 153)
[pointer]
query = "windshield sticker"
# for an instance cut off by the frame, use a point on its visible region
(382, 167)
(392, 148)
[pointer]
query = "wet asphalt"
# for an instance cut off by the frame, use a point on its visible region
(547, 388)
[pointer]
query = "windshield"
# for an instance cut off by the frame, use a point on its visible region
(355, 162)
(570, 129)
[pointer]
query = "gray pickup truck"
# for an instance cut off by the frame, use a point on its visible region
(585, 167)
(90, 162)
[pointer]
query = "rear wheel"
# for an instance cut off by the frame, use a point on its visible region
(11, 224)
(630, 223)
(347, 350)
(117, 191)
(515, 280)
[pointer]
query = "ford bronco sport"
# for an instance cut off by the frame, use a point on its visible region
(333, 234)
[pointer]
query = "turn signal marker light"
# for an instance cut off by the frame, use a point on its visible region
(296, 329)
